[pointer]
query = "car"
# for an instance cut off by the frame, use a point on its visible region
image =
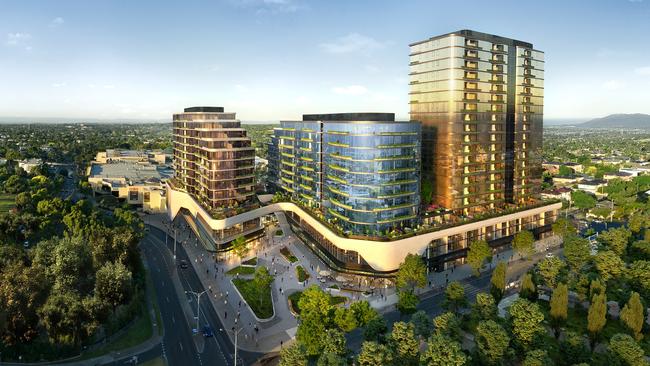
(184, 264)
(207, 331)
(26, 244)
(550, 255)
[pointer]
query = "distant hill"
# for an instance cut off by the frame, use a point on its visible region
(637, 120)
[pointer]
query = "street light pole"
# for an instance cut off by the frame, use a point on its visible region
(174, 227)
(198, 304)
(235, 331)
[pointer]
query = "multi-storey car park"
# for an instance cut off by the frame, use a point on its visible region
(351, 183)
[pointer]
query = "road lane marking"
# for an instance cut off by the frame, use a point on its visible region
(180, 344)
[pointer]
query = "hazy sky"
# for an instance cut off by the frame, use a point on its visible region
(277, 59)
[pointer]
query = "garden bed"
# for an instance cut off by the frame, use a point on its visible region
(301, 274)
(241, 270)
(279, 232)
(250, 262)
(252, 294)
(295, 297)
(288, 255)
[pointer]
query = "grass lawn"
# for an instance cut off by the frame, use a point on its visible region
(287, 254)
(252, 295)
(241, 270)
(295, 297)
(301, 274)
(278, 232)
(251, 262)
(155, 362)
(7, 201)
(137, 333)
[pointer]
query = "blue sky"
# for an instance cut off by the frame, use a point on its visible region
(277, 59)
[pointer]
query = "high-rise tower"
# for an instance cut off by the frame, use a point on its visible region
(479, 98)
(213, 157)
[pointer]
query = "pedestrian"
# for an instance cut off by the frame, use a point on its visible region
(240, 303)
(281, 344)
(225, 315)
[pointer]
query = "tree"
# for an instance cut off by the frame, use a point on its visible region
(492, 342)
(498, 281)
(625, 351)
(577, 251)
(563, 227)
(573, 349)
(334, 342)
(523, 242)
(373, 353)
(293, 355)
(331, 359)
(632, 315)
(315, 311)
(113, 284)
(263, 279)
(639, 274)
(454, 296)
(375, 329)
(412, 273)
(421, 324)
(536, 357)
(528, 288)
(596, 288)
(616, 239)
(549, 269)
(559, 307)
(448, 325)
(526, 320)
(442, 351)
(407, 302)
(597, 316)
(62, 316)
(404, 342)
(363, 312)
(609, 264)
(479, 251)
(426, 191)
(72, 267)
(583, 200)
(484, 307)
(239, 247)
(344, 319)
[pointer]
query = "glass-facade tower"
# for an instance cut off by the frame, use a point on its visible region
(360, 169)
(479, 98)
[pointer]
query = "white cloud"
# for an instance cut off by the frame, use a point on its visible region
(16, 39)
(643, 70)
(57, 22)
(371, 69)
(109, 86)
(353, 42)
(270, 6)
(59, 85)
(350, 90)
(612, 85)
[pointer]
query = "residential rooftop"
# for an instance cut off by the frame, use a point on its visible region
(135, 173)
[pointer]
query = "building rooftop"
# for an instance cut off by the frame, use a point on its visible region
(133, 172)
(482, 36)
(204, 109)
(363, 116)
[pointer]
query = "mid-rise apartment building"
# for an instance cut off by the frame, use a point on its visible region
(479, 98)
(213, 158)
(361, 170)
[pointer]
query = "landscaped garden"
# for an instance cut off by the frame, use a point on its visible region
(257, 292)
(301, 274)
(288, 255)
(241, 270)
(278, 232)
(250, 262)
(7, 201)
(294, 299)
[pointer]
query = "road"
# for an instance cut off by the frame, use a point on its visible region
(179, 345)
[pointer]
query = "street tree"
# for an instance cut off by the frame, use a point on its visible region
(523, 243)
(559, 307)
(334, 342)
(375, 329)
(344, 319)
(239, 247)
(632, 315)
(479, 251)
(526, 320)
(608, 264)
(331, 359)
(421, 324)
(577, 251)
(596, 316)
(549, 269)
(492, 342)
(624, 350)
(363, 312)
(405, 343)
(639, 274)
(498, 281)
(442, 351)
(412, 273)
(262, 279)
(113, 284)
(563, 227)
(62, 316)
(454, 296)
(448, 325)
(536, 357)
(615, 239)
(484, 307)
(373, 353)
(583, 200)
(407, 302)
(528, 288)
(293, 355)
(573, 348)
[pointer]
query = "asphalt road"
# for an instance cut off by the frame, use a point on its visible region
(179, 345)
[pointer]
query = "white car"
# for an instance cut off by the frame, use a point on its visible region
(550, 255)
